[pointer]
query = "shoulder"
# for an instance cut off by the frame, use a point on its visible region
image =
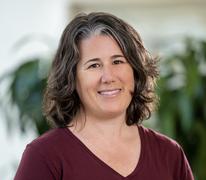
(50, 142)
(160, 146)
(164, 150)
(50, 136)
(155, 138)
(44, 154)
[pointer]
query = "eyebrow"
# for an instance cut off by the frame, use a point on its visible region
(97, 59)
(91, 60)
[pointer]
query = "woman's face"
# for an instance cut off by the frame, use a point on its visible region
(105, 79)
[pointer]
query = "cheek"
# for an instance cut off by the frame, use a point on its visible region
(131, 84)
(86, 82)
(128, 77)
(79, 84)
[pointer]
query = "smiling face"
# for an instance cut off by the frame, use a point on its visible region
(104, 79)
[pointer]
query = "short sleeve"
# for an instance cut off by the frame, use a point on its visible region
(34, 166)
(183, 170)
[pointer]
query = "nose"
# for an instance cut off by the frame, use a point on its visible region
(107, 75)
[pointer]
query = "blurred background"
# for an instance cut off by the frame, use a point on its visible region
(172, 29)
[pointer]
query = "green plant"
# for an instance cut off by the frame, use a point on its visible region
(25, 92)
(182, 110)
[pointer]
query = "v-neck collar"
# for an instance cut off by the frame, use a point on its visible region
(138, 166)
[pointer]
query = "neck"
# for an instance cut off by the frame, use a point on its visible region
(110, 128)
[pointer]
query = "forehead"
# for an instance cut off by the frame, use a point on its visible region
(97, 46)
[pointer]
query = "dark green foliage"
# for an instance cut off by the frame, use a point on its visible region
(26, 90)
(182, 110)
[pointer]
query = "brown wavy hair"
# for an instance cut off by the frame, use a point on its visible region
(61, 101)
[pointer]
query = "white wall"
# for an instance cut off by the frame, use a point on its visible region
(161, 23)
(20, 19)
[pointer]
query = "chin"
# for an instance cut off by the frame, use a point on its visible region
(113, 112)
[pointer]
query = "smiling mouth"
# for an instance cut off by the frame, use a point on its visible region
(109, 92)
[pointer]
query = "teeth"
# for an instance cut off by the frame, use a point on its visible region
(109, 92)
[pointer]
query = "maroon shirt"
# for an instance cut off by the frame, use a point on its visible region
(60, 155)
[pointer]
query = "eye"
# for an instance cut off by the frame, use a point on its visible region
(118, 61)
(95, 65)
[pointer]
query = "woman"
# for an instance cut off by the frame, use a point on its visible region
(100, 89)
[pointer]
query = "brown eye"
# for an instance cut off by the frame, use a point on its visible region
(118, 62)
(95, 65)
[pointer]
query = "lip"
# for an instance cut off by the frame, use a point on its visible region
(109, 92)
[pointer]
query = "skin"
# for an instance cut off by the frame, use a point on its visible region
(105, 79)
(104, 82)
